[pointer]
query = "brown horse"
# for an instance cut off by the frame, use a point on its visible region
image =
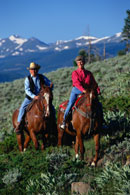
(85, 118)
(37, 119)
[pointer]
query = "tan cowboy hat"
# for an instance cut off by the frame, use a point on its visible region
(33, 65)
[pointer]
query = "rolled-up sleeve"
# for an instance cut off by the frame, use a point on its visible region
(27, 89)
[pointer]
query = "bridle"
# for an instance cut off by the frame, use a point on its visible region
(46, 107)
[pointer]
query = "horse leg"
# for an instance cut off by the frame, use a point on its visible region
(34, 139)
(26, 141)
(80, 142)
(42, 146)
(97, 146)
(20, 141)
(76, 148)
(60, 135)
(44, 138)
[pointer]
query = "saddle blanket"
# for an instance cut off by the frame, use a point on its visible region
(63, 105)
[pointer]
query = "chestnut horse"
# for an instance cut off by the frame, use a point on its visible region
(85, 118)
(37, 119)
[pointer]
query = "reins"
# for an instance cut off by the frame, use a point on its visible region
(38, 102)
(85, 114)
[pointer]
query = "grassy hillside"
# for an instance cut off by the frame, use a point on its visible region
(18, 172)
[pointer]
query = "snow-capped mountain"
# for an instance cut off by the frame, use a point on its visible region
(16, 53)
(15, 45)
(83, 41)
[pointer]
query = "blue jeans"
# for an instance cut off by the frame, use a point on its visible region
(23, 108)
(73, 96)
(24, 105)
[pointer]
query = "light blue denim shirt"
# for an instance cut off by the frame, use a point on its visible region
(36, 81)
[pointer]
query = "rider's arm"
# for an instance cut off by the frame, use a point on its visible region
(27, 88)
(48, 82)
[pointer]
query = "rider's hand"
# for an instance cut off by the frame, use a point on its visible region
(84, 91)
(98, 91)
(36, 97)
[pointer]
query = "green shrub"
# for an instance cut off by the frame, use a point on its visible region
(11, 176)
(36, 168)
(114, 179)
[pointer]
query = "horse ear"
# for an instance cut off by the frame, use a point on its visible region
(42, 86)
(51, 85)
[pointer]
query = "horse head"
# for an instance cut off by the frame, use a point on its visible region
(46, 97)
(89, 102)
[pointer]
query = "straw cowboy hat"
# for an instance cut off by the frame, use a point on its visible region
(33, 65)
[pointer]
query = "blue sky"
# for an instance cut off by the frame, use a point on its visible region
(52, 20)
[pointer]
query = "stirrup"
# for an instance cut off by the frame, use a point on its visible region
(62, 126)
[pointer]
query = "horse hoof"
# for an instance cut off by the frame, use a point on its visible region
(76, 156)
(24, 149)
(93, 164)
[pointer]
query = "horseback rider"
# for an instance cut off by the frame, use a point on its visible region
(33, 85)
(80, 78)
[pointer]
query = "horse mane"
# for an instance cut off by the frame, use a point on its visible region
(30, 105)
(35, 101)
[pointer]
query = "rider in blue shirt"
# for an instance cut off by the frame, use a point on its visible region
(32, 88)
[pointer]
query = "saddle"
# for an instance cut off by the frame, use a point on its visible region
(63, 105)
(30, 106)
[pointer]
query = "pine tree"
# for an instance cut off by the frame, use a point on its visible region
(126, 30)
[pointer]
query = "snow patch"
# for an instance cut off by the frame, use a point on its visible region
(15, 53)
(41, 48)
(85, 37)
(17, 40)
(98, 40)
(20, 49)
(2, 41)
(78, 44)
(118, 34)
(62, 42)
(2, 56)
(66, 47)
(30, 50)
(57, 49)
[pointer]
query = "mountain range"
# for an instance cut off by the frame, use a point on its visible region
(16, 53)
